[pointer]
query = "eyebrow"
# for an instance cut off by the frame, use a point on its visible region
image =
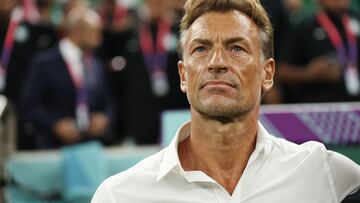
(226, 42)
(202, 41)
(233, 40)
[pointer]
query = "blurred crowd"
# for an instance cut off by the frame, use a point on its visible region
(79, 70)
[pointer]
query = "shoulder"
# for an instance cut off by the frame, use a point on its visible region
(342, 173)
(47, 56)
(310, 155)
(287, 147)
(142, 175)
(345, 174)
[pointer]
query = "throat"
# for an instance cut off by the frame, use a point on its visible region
(225, 166)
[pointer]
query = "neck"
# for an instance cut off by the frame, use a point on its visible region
(76, 41)
(220, 149)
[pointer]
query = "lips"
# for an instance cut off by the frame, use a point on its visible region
(218, 83)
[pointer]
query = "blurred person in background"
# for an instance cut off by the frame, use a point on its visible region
(65, 97)
(177, 6)
(25, 29)
(114, 16)
(320, 62)
(147, 81)
(118, 21)
(66, 7)
(26, 32)
(279, 13)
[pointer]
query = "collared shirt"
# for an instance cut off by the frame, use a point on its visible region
(277, 171)
(73, 57)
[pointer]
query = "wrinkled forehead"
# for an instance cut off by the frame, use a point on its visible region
(222, 25)
(219, 27)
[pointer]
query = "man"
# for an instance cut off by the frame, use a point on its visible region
(65, 96)
(320, 61)
(224, 154)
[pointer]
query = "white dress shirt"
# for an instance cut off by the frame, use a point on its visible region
(73, 57)
(278, 171)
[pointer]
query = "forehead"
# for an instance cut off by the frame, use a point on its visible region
(223, 25)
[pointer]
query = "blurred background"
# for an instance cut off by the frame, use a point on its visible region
(90, 87)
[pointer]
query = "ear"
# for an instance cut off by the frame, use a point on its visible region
(183, 76)
(269, 72)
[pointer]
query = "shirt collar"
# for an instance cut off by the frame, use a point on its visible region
(70, 51)
(171, 156)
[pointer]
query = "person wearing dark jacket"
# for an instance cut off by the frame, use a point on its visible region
(320, 61)
(65, 97)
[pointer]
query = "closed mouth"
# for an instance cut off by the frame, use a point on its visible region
(217, 82)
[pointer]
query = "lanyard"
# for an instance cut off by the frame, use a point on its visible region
(82, 106)
(155, 56)
(346, 57)
(15, 20)
(31, 13)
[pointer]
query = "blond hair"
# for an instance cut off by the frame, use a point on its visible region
(252, 8)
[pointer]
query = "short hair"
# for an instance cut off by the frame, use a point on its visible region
(252, 8)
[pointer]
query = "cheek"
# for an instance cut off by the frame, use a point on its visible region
(191, 78)
(251, 77)
(194, 69)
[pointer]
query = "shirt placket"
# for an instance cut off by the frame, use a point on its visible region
(220, 193)
(252, 166)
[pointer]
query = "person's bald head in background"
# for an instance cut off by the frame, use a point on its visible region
(83, 26)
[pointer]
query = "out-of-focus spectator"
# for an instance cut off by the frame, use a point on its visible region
(321, 59)
(148, 81)
(117, 20)
(65, 97)
(24, 31)
(71, 5)
(45, 8)
(279, 12)
(177, 6)
(115, 16)
(295, 9)
(293, 5)
(24, 34)
(65, 10)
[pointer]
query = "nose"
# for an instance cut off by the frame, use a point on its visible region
(218, 63)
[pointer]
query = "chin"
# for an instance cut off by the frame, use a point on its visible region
(225, 109)
(220, 106)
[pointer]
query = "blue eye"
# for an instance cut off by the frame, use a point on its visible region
(236, 49)
(200, 49)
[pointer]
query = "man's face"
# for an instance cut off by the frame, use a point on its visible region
(223, 72)
(91, 35)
